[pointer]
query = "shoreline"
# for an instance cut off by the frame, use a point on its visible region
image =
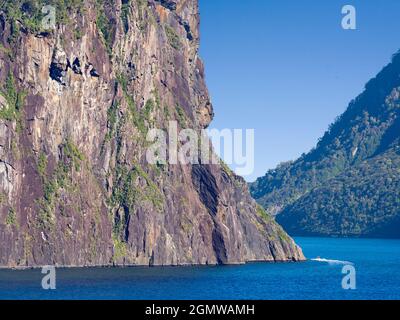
(119, 266)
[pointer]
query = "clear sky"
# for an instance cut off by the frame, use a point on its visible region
(287, 68)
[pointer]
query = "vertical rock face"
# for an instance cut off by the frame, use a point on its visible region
(76, 105)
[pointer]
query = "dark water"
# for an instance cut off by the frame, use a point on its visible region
(377, 263)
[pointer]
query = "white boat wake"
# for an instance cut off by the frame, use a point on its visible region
(329, 261)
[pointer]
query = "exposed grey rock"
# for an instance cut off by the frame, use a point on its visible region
(81, 192)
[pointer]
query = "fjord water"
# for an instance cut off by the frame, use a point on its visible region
(376, 261)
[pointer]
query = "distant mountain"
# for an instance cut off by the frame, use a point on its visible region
(349, 184)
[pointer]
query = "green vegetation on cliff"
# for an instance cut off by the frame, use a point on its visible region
(173, 38)
(29, 14)
(15, 100)
(60, 179)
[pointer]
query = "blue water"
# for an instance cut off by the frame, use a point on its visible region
(376, 262)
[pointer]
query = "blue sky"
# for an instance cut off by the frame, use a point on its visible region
(287, 68)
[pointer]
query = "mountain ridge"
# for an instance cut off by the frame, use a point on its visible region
(369, 128)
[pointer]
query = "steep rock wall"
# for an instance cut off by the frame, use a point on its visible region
(76, 104)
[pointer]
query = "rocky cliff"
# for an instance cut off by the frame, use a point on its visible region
(76, 104)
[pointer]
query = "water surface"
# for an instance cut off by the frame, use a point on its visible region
(376, 261)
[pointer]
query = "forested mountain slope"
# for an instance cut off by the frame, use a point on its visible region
(349, 183)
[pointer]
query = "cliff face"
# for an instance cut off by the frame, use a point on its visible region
(349, 185)
(76, 104)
